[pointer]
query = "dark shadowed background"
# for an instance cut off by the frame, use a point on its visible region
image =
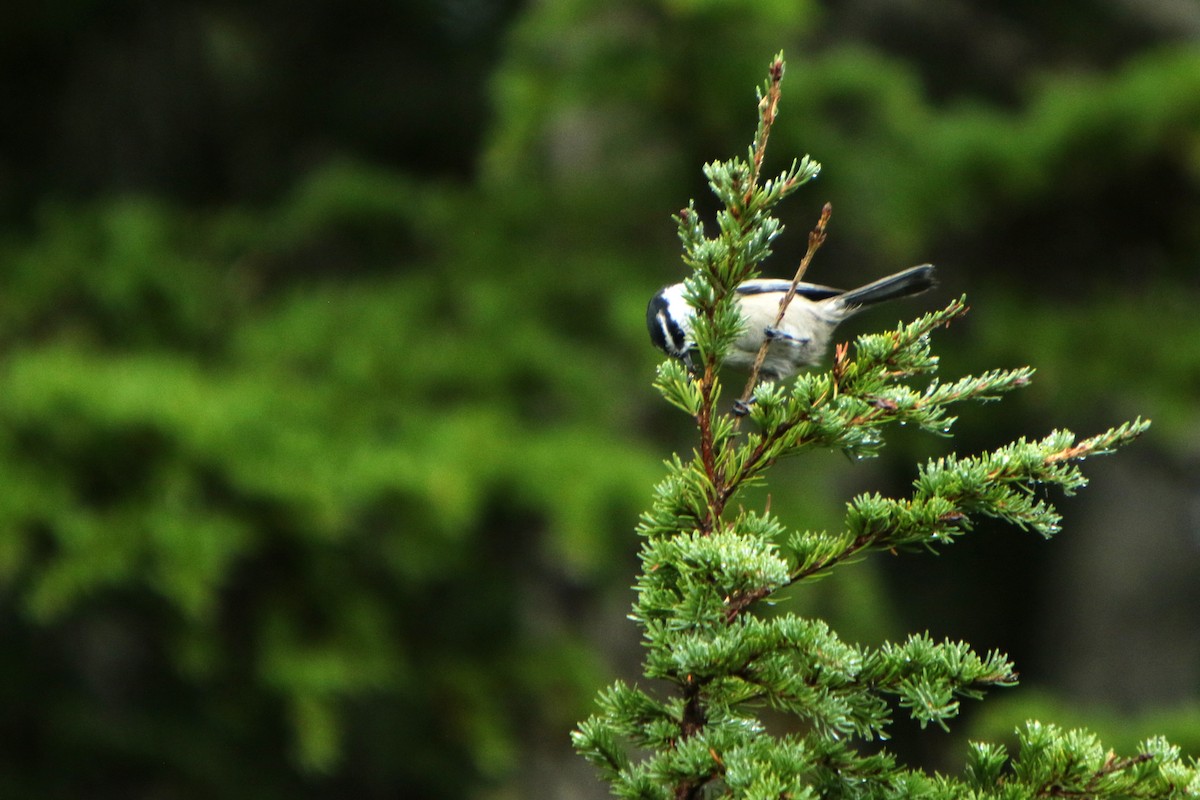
(325, 405)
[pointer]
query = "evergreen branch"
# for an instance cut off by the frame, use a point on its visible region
(948, 491)
(801, 667)
(768, 108)
(928, 677)
(596, 741)
(900, 353)
(1101, 444)
(1112, 766)
(841, 409)
(1053, 763)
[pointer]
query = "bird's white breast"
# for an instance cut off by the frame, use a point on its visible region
(809, 326)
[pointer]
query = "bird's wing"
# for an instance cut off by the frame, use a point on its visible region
(812, 291)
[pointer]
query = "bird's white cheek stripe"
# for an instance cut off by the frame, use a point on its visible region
(666, 331)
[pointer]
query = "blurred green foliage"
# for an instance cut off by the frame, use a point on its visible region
(326, 412)
(288, 503)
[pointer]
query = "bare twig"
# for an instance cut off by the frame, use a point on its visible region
(816, 238)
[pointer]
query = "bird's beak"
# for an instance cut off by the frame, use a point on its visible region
(688, 361)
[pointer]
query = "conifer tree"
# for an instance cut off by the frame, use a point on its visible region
(710, 565)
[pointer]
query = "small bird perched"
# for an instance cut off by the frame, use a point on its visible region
(802, 337)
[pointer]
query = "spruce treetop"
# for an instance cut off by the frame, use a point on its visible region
(710, 564)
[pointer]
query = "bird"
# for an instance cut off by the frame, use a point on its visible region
(802, 337)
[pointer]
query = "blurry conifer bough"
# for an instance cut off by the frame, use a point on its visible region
(710, 565)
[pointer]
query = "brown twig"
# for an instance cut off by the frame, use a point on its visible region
(816, 238)
(693, 721)
(707, 454)
(768, 109)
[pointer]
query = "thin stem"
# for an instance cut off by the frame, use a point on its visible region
(768, 109)
(693, 721)
(708, 457)
(816, 238)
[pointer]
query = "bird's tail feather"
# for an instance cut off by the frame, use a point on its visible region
(909, 282)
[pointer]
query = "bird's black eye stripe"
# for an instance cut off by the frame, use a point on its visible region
(674, 332)
(653, 311)
(665, 332)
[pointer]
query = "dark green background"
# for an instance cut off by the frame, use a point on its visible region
(325, 406)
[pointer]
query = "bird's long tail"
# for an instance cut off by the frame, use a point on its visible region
(909, 282)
